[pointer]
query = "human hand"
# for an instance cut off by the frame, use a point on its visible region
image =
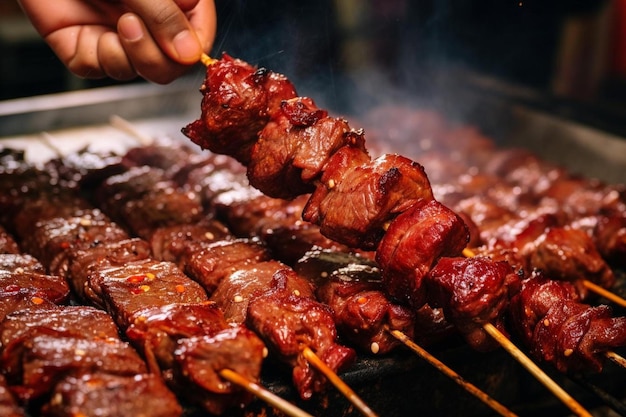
(156, 39)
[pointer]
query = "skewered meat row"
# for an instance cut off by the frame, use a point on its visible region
(70, 344)
(306, 313)
(255, 215)
(356, 200)
(465, 167)
(351, 285)
(116, 273)
(560, 329)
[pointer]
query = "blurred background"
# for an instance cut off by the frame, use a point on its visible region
(349, 52)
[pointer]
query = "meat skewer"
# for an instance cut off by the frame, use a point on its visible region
(320, 266)
(333, 176)
(259, 213)
(71, 344)
(91, 260)
(151, 233)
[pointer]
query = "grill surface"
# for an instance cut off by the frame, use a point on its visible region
(401, 384)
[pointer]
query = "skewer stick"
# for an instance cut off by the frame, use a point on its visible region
(207, 60)
(536, 371)
(262, 393)
(469, 387)
(604, 293)
(526, 362)
(337, 382)
(127, 127)
(618, 359)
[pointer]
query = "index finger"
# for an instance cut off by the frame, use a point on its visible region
(171, 28)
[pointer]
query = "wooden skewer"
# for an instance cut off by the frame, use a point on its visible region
(469, 387)
(530, 365)
(207, 60)
(618, 359)
(127, 127)
(536, 371)
(262, 393)
(603, 292)
(337, 382)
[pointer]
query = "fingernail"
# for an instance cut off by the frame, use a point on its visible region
(130, 28)
(187, 47)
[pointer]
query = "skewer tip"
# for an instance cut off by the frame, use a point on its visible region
(207, 60)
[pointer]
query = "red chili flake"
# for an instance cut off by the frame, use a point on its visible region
(65, 245)
(136, 278)
(180, 288)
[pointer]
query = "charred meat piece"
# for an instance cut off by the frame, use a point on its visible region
(569, 254)
(170, 243)
(194, 342)
(20, 262)
(355, 207)
(237, 102)
(210, 264)
(52, 241)
(293, 148)
(7, 243)
(352, 287)
(248, 282)
(60, 342)
(50, 287)
(288, 321)
(28, 299)
(472, 292)
(200, 359)
(83, 263)
(413, 244)
(48, 206)
(279, 224)
(124, 290)
(8, 404)
(561, 330)
(161, 208)
(109, 395)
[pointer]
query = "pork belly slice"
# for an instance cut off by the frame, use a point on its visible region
(108, 395)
